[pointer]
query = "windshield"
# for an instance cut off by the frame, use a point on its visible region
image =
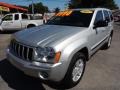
(81, 18)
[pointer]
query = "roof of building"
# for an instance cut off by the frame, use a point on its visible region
(12, 6)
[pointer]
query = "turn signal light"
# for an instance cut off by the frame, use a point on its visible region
(57, 57)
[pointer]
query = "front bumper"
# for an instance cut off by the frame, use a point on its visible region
(42, 70)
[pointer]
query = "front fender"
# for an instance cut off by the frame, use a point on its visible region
(69, 51)
(74, 47)
(1, 29)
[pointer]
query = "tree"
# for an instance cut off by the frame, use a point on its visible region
(26, 7)
(92, 4)
(13, 10)
(38, 8)
(57, 9)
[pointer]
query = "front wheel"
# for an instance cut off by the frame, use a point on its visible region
(75, 71)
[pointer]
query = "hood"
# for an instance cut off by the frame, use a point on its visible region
(46, 34)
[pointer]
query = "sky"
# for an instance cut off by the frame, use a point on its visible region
(50, 3)
(62, 4)
(117, 2)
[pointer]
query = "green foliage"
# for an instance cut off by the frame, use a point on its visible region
(23, 6)
(92, 4)
(38, 8)
(15, 10)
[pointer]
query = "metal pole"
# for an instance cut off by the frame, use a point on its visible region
(33, 7)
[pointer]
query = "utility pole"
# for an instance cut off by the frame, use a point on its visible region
(33, 7)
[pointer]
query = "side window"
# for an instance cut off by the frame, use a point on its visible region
(99, 17)
(16, 17)
(106, 15)
(7, 18)
(24, 16)
(111, 16)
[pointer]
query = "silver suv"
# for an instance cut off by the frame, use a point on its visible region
(58, 50)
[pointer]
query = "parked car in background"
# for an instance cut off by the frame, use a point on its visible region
(47, 16)
(18, 21)
(1, 16)
(58, 51)
(117, 18)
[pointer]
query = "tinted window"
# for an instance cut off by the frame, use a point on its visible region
(99, 17)
(7, 18)
(16, 17)
(106, 15)
(76, 18)
(36, 17)
(24, 16)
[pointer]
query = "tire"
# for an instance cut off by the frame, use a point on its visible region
(75, 71)
(108, 44)
(1, 32)
(30, 26)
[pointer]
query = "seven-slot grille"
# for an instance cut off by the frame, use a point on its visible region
(21, 51)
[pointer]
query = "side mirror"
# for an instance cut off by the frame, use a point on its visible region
(100, 24)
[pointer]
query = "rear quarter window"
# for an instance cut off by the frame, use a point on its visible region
(111, 16)
(106, 15)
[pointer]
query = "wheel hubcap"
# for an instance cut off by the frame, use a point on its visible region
(77, 70)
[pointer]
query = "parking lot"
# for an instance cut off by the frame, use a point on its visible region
(102, 71)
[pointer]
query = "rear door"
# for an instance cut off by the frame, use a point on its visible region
(17, 23)
(111, 20)
(108, 20)
(25, 20)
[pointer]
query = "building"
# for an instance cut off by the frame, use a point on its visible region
(5, 8)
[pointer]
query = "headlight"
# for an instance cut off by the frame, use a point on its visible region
(45, 55)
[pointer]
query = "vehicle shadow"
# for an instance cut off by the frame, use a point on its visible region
(17, 80)
(8, 32)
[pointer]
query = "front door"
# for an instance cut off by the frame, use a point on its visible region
(7, 22)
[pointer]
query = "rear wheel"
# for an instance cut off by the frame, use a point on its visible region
(75, 71)
(1, 31)
(30, 26)
(108, 44)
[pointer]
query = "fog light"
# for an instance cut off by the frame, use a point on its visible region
(43, 75)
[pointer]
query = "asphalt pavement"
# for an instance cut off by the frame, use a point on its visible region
(102, 71)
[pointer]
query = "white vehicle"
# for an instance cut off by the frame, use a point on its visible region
(18, 21)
